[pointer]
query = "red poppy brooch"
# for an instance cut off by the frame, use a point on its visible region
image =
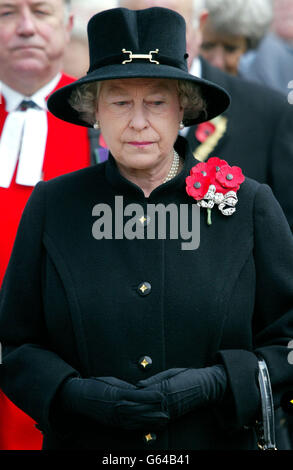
(215, 182)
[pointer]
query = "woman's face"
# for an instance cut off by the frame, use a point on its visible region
(139, 120)
(222, 50)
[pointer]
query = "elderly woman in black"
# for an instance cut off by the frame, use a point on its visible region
(118, 332)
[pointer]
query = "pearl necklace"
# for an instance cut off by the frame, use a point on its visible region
(174, 167)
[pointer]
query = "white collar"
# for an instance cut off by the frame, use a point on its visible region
(13, 98)
(196, 68)
(24, 136)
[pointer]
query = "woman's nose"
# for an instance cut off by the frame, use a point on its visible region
(139, 119)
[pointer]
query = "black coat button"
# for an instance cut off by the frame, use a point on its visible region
(145, 362)
(144, 288)
(149, 438)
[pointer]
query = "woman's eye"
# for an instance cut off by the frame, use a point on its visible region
(156, 103)
(6, 13)
(121, 103)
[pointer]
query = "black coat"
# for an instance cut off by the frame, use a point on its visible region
(70, 303)
(258, 137)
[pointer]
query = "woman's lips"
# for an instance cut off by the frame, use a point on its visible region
(140, 144)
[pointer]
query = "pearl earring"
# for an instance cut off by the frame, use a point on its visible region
(181, 125)
(96, 125)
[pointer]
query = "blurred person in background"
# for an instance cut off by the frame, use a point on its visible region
(34, 145)
(76, 57)
(272, 62)
(232, 28)
(255, 132)
(76, 60)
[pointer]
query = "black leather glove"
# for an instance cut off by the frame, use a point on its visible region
(187, 389)
(113, 402)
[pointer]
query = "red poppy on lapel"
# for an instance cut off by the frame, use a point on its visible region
(215, 182)
(230, 177)
(197, 185)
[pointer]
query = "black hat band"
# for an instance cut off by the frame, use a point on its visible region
(126, 57)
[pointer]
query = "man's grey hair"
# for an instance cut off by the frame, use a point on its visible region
(249, 18)
(67, 4)
(67, 10)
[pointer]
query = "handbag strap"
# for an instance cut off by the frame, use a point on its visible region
(267, 439)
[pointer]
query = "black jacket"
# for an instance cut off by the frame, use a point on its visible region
(258, 137)
(70, 304)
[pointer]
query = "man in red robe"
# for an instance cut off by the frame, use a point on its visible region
(34, 145)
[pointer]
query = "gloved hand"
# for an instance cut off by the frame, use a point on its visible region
(187, 389)
(113, 402)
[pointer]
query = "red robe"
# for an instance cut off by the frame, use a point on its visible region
(67, 150)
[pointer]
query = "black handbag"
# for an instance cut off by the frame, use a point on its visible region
(265, 429)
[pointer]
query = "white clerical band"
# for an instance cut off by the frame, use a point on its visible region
(31, 157)
(9, 146)
(23, 137)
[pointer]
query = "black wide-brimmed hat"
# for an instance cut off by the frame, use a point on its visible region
(149, 43)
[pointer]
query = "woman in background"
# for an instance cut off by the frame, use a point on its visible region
(232, 28)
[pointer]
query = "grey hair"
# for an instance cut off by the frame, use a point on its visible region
(191, 100)
(250, 18)
(84, 100)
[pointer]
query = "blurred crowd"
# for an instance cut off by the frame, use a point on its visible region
(76, 61)
(252, 38)
(249, 40)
